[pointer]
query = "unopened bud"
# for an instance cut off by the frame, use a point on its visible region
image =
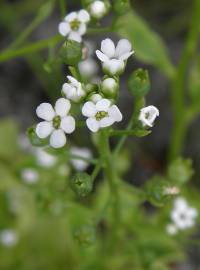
(82, 184)
(139, 83)
(71, 52)
(109, 87)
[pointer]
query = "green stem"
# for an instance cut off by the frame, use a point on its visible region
(177, 93)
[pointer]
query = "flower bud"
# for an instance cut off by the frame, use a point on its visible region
(109, 87)
(71, 52)
(95, 98)
(85, 235)
(139, 83)
(81, 183)
(98, 9)
(121, 6)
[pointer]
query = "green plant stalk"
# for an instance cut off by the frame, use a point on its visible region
(179, 107)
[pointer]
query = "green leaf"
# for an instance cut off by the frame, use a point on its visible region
(147, 44)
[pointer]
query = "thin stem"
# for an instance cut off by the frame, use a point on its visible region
(132, 132)
(63, 10)
(89, 160)
(96, 171)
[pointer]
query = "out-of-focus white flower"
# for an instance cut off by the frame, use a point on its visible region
(44, 159)
(88, 68)
(57, 122)
(8, 237)
(29, 175)
(171, 229)
(182, 215)
(73, 90)
(24, 143)
(148, 115)
(74, 25)
(80, 165)
(100, 115)
(98, 9)
(113, 59)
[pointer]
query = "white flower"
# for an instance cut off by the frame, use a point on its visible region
(183, 215)
(113, 59)
(148, 115)
(45, 159)
(80, 165)
(8, 237)
(88, 68)
(57, 122)
(73, 90)
(100, 115)
(74, 25)
(171, 229)
(29, 175)
(98, 9)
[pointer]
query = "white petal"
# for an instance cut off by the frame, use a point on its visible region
(102, 56)
(73, 80)
(103, 105)
(114, 66)
(108, 47)
(89, 109)
(82, 29)
(83, 16)
(123, 46)
(45, 111)
(68, 124)
(92, 124)
(71, 16)
(64, 28)
(62, 106)
(115, 113)
(44, 129)
(126, 56)
(57, 139)
(75, 36)
(106, 122)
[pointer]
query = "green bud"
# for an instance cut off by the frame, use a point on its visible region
(109, 87)
(34, 139)
(71, 52)
(82, 184)
(180, 171)
(95, 97)
(91, 88)
(85, 235)
(139, 83)
(121, 6)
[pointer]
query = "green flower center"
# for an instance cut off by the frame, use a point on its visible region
(75, 24)
(100, 115)
(56, 122)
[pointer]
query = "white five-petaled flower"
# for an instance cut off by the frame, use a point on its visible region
(148, 115)
(182, 215)
(73, 90)
(8, 237)
(80, 165)
(98, 9)
(44, 159)
(57, 122)
(29, 175)
(74, 25)
(100, 115)
(113, 58)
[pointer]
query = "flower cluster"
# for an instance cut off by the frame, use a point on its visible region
(182, 215)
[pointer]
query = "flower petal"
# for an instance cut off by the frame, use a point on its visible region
(92, 124)
(57, 139)
(103, 104)
(106, 122)
(62, 106)
(82, 29)
(114, 66)
(44, 129)
(89, 109)
(71, 16)
(108, 47)
(102, 56)
(73, 80)
(45, 111)
(115, 113)
(123, 46)
(125, 56)
(64, 28)
(68, 124)
(75, 36)
(83, 16)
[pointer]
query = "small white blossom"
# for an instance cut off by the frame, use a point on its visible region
(73, 90)
(113, 58)
(88, 68)
(80, 165)
(148, 115)
(98, 9)
(44, 159)
(100, 115)
(74, 25)
(57, 122)
(8, 237)
(109, 87)
(171, 229)
(182, 215)
(29, 175)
